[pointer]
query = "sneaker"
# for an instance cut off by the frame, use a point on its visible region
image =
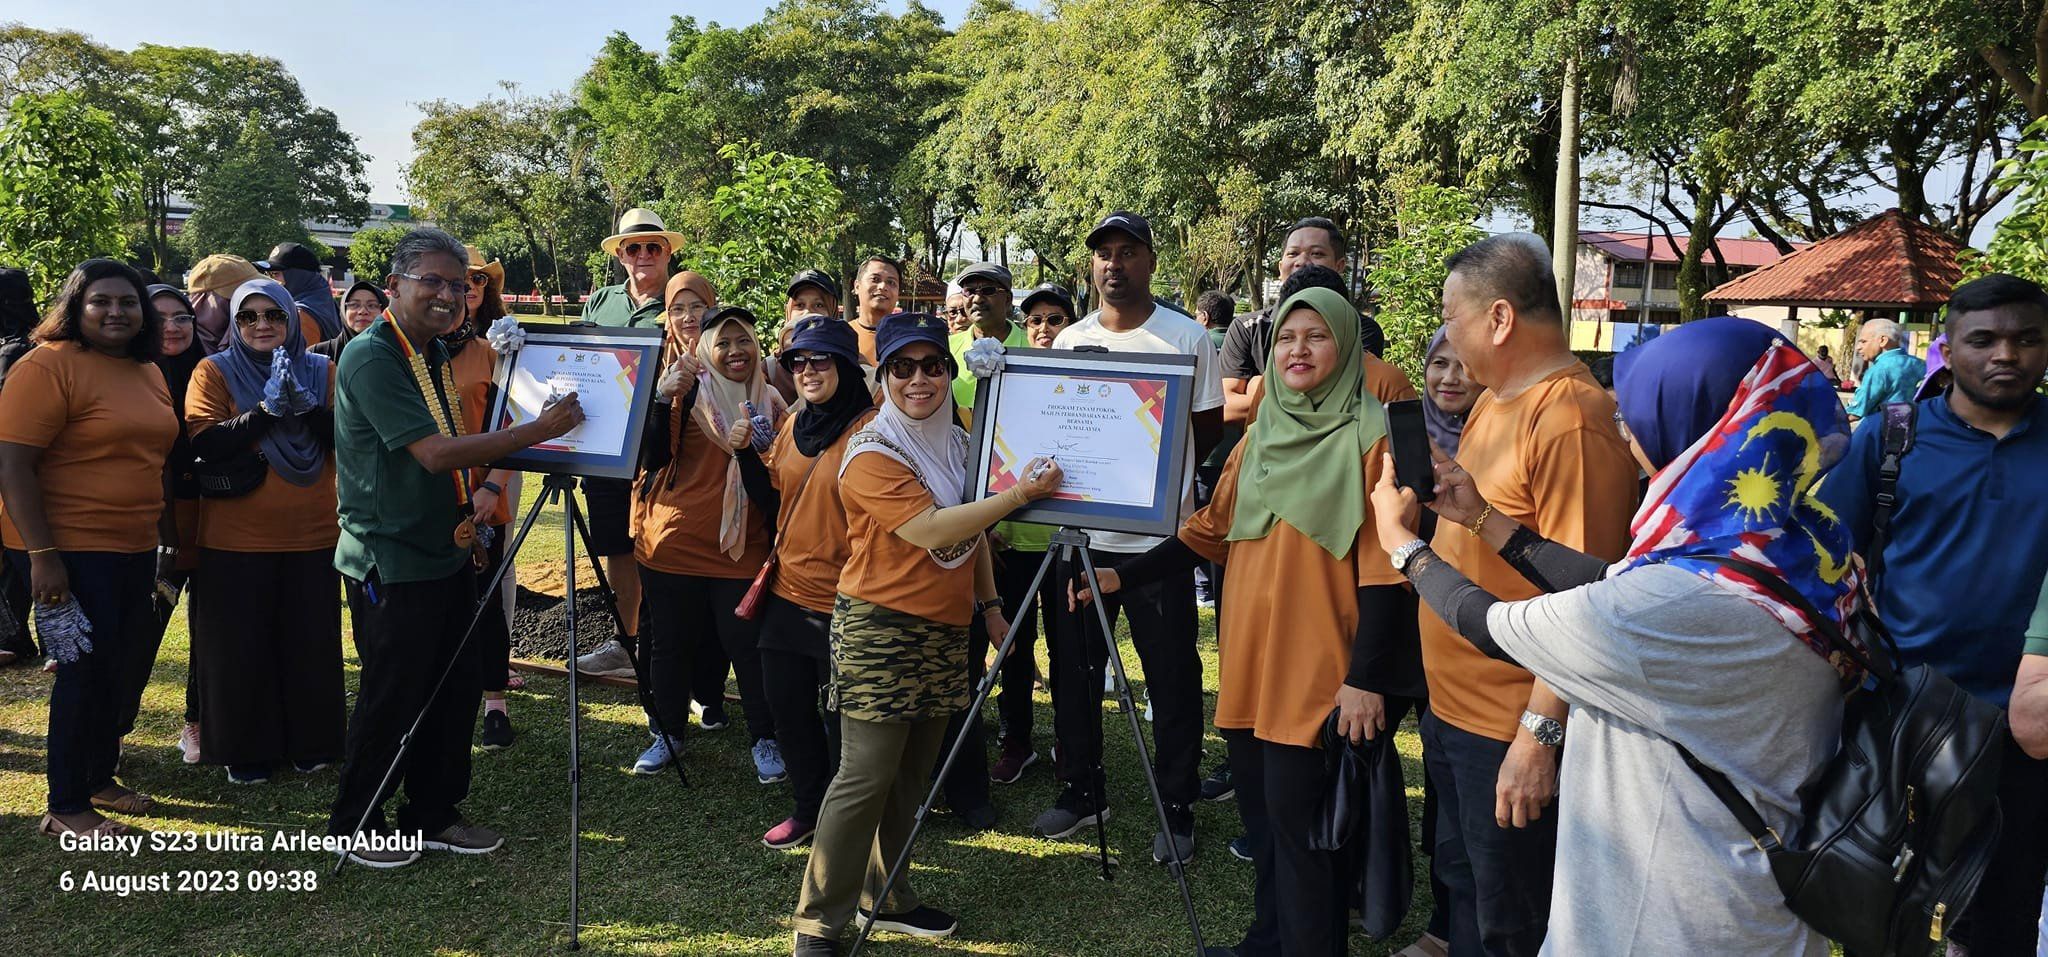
(654, 759)
(1070, 813)
(248, 773)
(309, 767)
(1178, 840)
(713, 717)
(1148, 706)
(1009, 769)
(1217, 786)
(922, 922)
(790, 833)
(463, 837)
(188, 742)
(808, 946)
(498, 731)
(1241, 847)
(383, 860)
(608, 661)
(768, 767)
(982, 818)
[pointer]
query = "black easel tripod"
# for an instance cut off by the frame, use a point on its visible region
(1067, 543)
(554, 487)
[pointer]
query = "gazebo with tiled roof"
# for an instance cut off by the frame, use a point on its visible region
(1890, 265)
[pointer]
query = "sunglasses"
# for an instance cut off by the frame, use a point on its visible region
(479, 279)
(635, 249)
(249, 318)
(818, 362)
(903, 368)
(1055, 320)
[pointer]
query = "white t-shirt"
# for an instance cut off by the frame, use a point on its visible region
(1171, 332)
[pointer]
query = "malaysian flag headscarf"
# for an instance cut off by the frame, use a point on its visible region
(1742, 424)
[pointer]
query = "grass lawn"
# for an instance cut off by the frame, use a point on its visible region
(664, 871)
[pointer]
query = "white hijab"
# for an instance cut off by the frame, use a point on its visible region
(933, 448)
(720, 403)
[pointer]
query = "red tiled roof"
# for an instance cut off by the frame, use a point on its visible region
(1630, 247)
(1889, 260)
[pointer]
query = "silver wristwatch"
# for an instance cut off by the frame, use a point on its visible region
(1405, 553)
(1548, 731)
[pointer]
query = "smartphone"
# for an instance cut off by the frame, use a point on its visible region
(1409, 438)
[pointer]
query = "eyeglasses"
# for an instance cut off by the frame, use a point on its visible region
(903, 368)
(178, 319)
(1052, 320)
(248, 318)
(984, 290)
(434, 284)
(819, 362)
(652, 249)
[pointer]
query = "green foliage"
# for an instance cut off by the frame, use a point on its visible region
(1433, 222)
(369, 251)
(248, 203)
(66, 180)
(777, 215)
(2020, 243)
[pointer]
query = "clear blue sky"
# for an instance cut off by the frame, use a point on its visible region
(370, 62)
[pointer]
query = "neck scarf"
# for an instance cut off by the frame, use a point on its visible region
(1303, 458)
(1445, 429)
(720, 403)
(210, 323)
(311, 291)
(933, 448)
(295, 453)
(818, 426)
(1755, 423)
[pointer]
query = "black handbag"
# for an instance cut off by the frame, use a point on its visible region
(1896, 829)
(232, 478)
(1364, 813)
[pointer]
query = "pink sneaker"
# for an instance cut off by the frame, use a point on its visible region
(788, 834)
(188, 742)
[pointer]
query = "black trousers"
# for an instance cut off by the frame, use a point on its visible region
(794, 684)
(494, 630)
(1498, 877)
(967, 786)
(406, 634)
(1162, 625)
(691, 616)
(266, 633)
(14, 591)
(1020, 671)
(2003, 917)
(95, 699)
(1301, 898)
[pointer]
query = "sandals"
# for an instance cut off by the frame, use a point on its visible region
(130, 802)
(514, 681)
(49, 826)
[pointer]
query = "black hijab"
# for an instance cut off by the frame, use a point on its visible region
(820, 425)
(17, 305)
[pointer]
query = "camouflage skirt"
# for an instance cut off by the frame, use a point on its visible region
(889, 666)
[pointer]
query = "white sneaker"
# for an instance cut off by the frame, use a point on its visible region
(608, 661)
(188, 742)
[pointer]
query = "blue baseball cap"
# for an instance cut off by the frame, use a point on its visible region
(907, 328)
(826, 334)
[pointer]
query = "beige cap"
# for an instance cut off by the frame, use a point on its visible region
(220, 274)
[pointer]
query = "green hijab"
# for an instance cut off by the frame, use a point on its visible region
(1303, 457)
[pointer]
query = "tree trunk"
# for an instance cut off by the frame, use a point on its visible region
(1564, 242)
(1692, 278)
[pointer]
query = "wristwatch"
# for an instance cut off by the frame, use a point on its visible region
(1406, 553)
(1548, 731)
(493, 487)
(984, 607)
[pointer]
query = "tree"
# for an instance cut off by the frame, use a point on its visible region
(1433, 222)
(66, 180)
(776, 216)
(369, 251)
(248, 203)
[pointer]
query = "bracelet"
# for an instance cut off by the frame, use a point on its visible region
(168, 551)
(33, 552)
(494, 488)
(1480, 522)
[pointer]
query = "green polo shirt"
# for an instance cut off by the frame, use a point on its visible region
(397, 519)
(1022, 536)
(613, 306)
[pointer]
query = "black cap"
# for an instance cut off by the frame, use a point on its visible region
(904, 328)
(717, 315)
(993, 271)
(1048, 291)
(1121, 221)
(815, 277)
(291, 256)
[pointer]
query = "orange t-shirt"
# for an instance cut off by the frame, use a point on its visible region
(106, 427)
(866, 336)
(1552, 460)
(813, 521)
(678, 518)
(475, 368)
(278, 516)
(880, 494)
(309, 327)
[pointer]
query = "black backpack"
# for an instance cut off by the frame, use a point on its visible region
(1896, 829)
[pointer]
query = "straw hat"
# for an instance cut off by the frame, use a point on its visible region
(493, 269)
(639, 223)
(220, 274)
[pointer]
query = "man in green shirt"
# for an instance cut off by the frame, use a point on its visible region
(406, 553)
(643, 246)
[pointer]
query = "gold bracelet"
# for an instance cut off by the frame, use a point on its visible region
(1480, 522)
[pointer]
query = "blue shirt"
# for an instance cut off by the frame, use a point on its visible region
(1892, 377)
(1969, 540)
